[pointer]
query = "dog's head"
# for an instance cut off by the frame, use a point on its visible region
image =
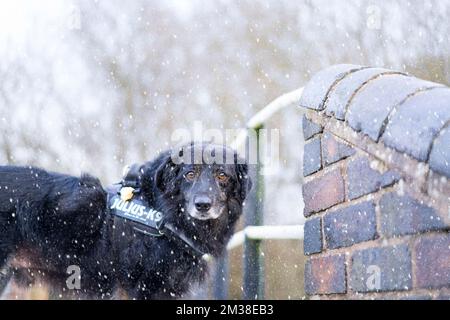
(208, 181)
(200, 188)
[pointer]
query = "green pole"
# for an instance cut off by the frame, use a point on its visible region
(253, 279)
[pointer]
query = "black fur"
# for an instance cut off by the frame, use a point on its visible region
(52, 221)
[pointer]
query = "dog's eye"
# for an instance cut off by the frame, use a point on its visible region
(222, 177)
(190, 175)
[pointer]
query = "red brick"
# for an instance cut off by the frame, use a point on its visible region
(401, 215)
(310, 128)
(433, 261)
(362, 179)
(333, 150)
(312, 157)
(393, 263)
(350, 225)
(323, 192)
(325, 275)
(313, 242)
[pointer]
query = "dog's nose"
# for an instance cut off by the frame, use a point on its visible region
(202, 203)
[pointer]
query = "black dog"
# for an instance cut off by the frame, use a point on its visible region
(51, 221)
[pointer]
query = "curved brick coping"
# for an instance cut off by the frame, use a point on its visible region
(400, 112)
(376, 186)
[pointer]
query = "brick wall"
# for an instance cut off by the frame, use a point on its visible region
(377, 189)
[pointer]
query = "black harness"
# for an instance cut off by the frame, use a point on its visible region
(126, 201)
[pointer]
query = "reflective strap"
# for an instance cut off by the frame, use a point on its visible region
(153, 233)
(136, 210)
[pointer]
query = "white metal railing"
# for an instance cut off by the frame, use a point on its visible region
(288, 232)
(267, 232)
(267, 112)
(253, 233)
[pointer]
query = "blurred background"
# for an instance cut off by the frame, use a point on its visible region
(94, 85)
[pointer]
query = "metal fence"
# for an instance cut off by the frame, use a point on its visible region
(254, 231)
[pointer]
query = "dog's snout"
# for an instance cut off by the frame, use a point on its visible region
(202, 203)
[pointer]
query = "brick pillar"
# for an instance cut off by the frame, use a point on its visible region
(377, 188)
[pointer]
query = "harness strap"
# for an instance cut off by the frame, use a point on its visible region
(181, 236)
(150, 222)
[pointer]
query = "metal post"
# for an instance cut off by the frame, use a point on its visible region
(221, 275)
(253, 281)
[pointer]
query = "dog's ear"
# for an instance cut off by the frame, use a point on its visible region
(245, 182)
(166, 173)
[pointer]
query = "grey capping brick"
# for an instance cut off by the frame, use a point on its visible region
(347, 226)
(340, 96)
(393, 264)
(316, 90)
(401, 112)
(402, 215)
(312, 158)
(416, 123)
(312, 236)
(371, 106)
(362, 179)
(310, 128)
(440, 153)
